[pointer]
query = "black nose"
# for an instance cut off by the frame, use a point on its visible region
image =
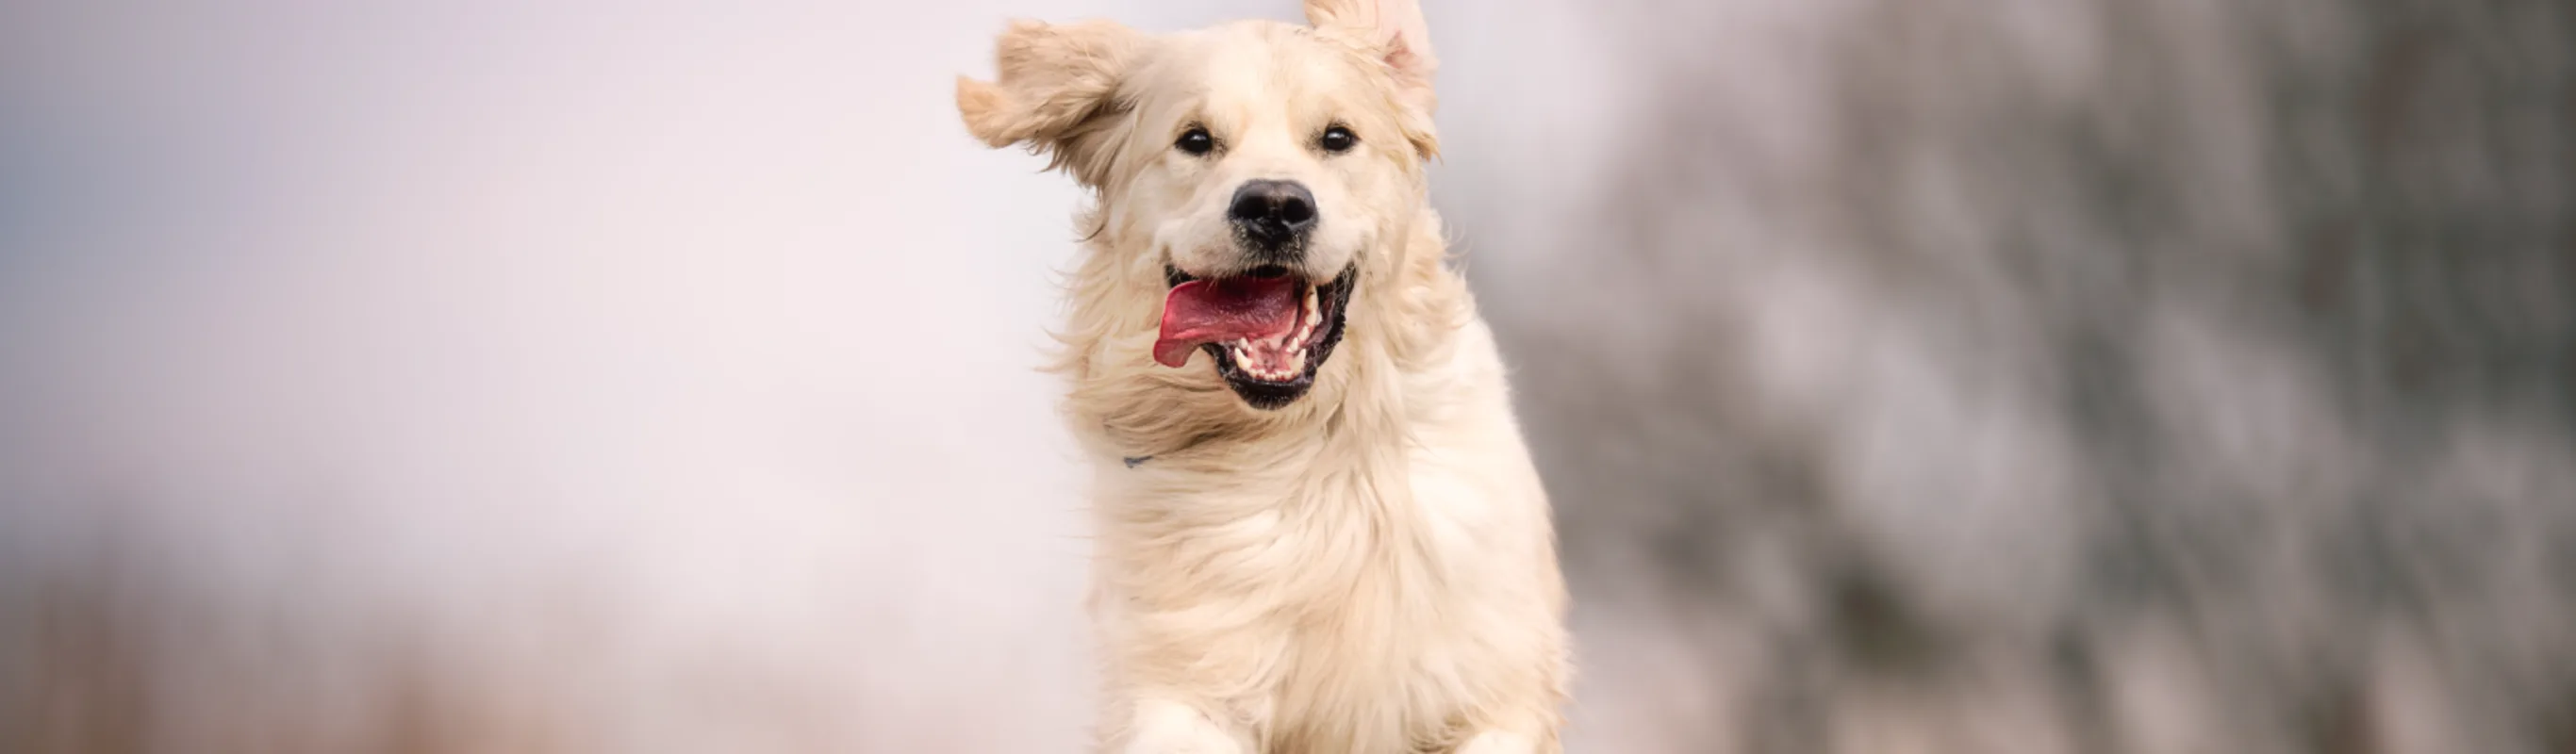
(1272, 212)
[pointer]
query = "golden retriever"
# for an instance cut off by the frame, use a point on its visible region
(1318, 527)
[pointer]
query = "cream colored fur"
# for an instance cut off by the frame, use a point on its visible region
(1370, 568)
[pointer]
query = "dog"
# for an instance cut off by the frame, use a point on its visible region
(1318, 527)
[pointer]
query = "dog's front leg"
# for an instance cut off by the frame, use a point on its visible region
(1162, 726)
(1500, 742)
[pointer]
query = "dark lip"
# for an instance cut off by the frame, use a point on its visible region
(1333, 296)
(1173, 277)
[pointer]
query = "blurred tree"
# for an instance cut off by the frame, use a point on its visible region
(2094, 377)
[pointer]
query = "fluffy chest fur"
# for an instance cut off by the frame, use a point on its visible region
(1376, 576)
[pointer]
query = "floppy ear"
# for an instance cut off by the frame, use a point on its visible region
(1394, 32)
(1057, 92)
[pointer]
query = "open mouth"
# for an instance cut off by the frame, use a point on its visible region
(1268, 330)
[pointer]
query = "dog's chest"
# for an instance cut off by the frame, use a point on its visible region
(1368, 621)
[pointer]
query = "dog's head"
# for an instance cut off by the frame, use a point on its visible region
(1247, 174)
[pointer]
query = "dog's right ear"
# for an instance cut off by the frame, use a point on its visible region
(1057, 92)
(1394, 31)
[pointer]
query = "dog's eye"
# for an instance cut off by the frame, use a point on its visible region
(1338, 139)
(1195, 141)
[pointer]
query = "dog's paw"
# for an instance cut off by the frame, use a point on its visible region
(1169, 728)
(1498, 742)
(1192, 744)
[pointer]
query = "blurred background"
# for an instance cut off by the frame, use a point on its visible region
(1911, 375)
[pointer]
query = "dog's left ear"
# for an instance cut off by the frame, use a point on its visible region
(1394, 31)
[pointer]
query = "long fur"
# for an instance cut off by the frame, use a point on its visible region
(1368, 569)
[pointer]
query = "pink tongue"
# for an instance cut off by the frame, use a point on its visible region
(1217, 311)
